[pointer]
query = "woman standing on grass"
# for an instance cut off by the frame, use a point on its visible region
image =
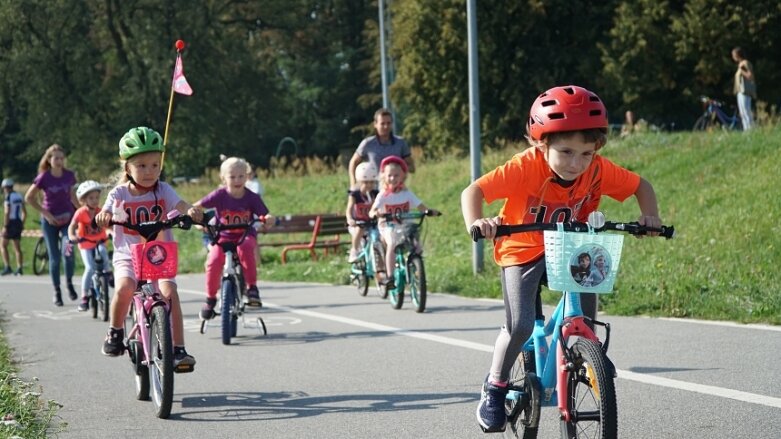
(59, 201)
(745, 87)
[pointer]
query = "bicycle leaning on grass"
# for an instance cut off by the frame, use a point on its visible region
(409, 268)
(714, 116)
(579, 378)
(370, 261)
(150, 339)
(233, 291)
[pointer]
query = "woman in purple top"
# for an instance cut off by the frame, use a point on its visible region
(56, 183)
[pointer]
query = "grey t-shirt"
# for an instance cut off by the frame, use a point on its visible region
(374, 152)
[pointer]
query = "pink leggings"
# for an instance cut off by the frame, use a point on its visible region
(216, 260)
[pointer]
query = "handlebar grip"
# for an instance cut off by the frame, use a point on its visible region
(475, 233)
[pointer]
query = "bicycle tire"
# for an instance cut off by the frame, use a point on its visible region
(40, 257)
(379, 267)
(93, 303)
(103, 300)
(702, 123)
(162, 353)
(359, 277)
(396, 295)
(416, 272)
(591, 395)
(141, 371)
(227, 295)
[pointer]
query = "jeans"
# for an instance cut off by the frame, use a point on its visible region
(744, 107)
(53, 236)
(88, 257)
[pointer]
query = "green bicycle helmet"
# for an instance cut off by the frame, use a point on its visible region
(138, 141)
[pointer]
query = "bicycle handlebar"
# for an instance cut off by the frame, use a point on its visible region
(633, 228)
(410, 215)
(149, 229)
(213, 230)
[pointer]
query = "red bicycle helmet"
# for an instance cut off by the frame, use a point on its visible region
(567, 108)
(393, 159)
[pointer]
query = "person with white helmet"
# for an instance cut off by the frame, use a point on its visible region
(13, 223)
(88, 237)
(359, 201)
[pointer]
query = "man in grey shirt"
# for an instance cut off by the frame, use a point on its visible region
(382, 144)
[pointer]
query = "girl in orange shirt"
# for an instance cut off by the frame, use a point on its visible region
(81, 231)
(560, 178)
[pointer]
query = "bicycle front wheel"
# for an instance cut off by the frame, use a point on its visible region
(40, 257)
(379, 269)
(103, 300)
(162, 356)
(360, 280)
(591, 395)
(227, 310)
(417, 282)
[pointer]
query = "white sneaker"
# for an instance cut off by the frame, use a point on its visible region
(353, 256)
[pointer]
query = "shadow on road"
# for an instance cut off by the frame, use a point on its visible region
(297, 404)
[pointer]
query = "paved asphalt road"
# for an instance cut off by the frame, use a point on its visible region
(337, 365)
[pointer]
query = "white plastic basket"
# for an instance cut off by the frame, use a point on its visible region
(565, 255)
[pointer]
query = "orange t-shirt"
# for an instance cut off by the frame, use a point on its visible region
(83, 218)
(531, 195)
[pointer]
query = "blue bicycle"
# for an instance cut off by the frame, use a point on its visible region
(714, 116)
(102, 280)
(370, 261)
(579, 378)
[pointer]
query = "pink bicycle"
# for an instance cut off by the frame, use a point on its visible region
(149, 341)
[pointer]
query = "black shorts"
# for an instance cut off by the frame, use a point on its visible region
(13, 230)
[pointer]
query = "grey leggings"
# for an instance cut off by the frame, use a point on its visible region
(520, 287)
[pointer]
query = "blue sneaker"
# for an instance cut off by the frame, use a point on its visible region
(490, 412)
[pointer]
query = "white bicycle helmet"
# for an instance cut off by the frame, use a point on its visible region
(7, 182)
(366, 172)
(87, 187)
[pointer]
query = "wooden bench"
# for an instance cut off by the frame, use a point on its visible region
(323, 231)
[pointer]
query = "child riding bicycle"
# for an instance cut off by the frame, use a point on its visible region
(559, 178)
(359, 201)
(233, 204)
(141, 196)
(81, 231)
(395, 198)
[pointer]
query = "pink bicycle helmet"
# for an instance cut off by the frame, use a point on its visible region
(393, 159)
(567, 108)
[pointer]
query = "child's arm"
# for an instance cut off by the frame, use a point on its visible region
(472, 209)
(195, 212)
(349, 212)
(649, 209)
(24, 213)
(72, 228)
(6, 214)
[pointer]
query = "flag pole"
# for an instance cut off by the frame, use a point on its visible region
(179, 47)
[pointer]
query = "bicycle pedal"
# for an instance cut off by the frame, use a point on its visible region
(184, 368)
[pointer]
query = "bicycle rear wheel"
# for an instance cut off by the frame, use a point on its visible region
(359, 277)
(417, 282)
(40, 257)
(162, 367)
(136, 354)
(228, 297)
(591, 395)
(523, 410)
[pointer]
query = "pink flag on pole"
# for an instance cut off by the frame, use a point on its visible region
(180, 83)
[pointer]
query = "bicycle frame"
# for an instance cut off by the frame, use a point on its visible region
(714, 111)
(566, 321)
(371, 239)
(146, 297)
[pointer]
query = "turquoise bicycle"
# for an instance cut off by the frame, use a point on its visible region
(370, 261)
(579, 378)
(409, 268)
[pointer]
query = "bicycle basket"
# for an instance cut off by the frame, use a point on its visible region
(586, 263)
(155, 260)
